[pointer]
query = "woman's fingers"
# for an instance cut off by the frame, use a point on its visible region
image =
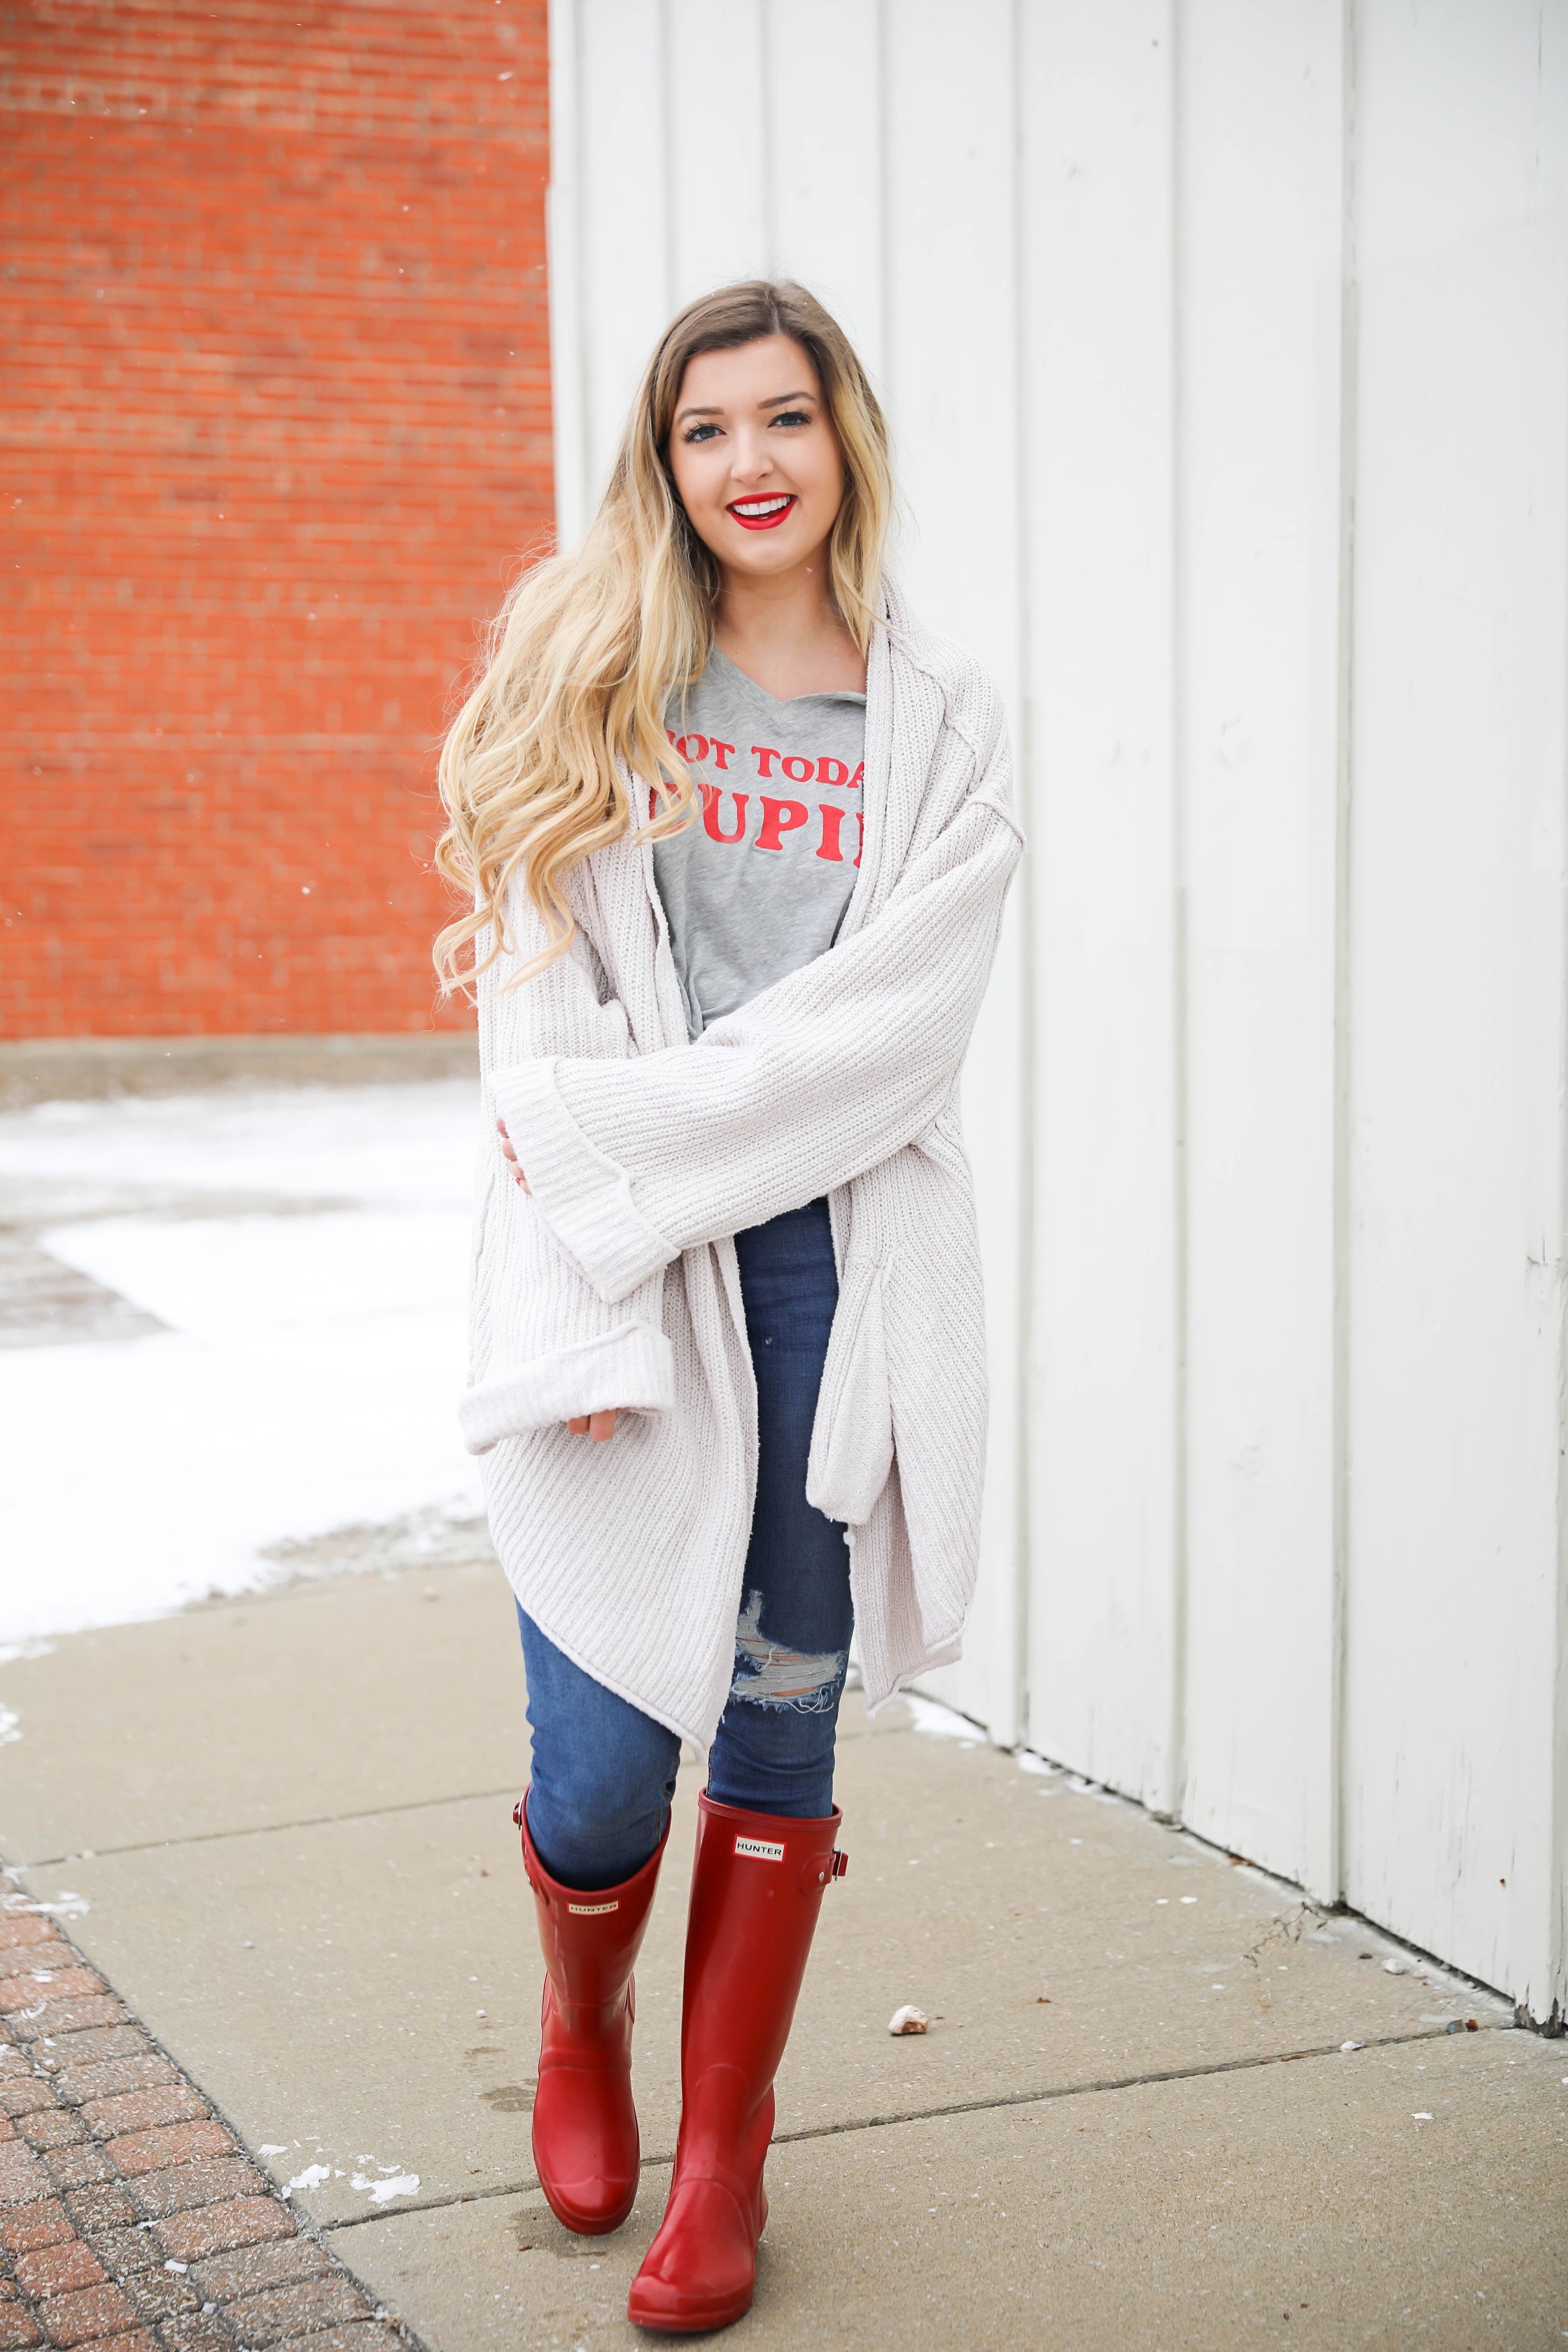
(596, 1426)
(509, 1150)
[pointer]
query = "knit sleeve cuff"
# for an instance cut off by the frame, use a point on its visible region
(629, 1369)
(585, 1198)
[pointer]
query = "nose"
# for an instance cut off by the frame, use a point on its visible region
(752, 459)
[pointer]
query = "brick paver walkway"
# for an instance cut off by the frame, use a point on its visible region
(130, 2218)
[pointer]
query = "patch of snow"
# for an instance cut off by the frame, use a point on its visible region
(312, 2177)
(402, 2184)
(10, 1725)
(64, 1906)
(1027, 1761)
(390, 1147)
(13, 1654)
(938, 1722)
(309, 1373)
(272, 2148)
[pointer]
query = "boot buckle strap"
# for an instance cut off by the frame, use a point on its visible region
(821, 1868)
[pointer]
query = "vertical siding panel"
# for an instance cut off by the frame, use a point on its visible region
(949, 173)
(623, 225)
(1455, 1598)
(1102, 1365)
(824, 135)
(718, 145)
(1261, 196)
(949, 167)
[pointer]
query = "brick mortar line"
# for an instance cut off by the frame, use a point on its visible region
(105, 2181)
(958, 2107)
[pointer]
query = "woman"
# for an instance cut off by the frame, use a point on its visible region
(738, 837)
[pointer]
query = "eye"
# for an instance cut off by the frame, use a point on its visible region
(792, 416)
(699, 432)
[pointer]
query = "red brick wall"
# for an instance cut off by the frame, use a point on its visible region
(276, 430)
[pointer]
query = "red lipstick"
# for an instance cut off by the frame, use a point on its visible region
(764, 513)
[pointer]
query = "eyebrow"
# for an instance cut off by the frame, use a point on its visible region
(774, 400)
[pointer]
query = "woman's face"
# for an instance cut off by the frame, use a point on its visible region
(754, 457)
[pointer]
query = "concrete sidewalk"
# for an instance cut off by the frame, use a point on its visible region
(288, 1819)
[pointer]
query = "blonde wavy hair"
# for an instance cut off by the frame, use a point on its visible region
(588, 646)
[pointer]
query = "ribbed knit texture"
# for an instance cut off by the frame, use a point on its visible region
(613, 1283)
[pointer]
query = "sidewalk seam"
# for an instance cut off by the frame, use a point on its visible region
(266, 1829)
(958, 2107)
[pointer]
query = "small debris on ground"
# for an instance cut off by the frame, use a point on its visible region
(909, 2019)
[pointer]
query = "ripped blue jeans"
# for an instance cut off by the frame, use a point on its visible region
(603, 1772)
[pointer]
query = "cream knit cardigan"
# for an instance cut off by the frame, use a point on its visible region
(613, 1281)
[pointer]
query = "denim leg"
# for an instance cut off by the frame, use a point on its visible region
(774, 1751)
(603, 1772)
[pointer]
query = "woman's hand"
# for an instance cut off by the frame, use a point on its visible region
(596, 1426)
(507, 1146)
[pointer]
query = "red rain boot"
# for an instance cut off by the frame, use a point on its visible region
(585, 2146)
(755, 1894)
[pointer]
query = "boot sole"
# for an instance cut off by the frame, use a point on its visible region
(696, 2319)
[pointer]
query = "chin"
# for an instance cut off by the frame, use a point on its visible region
(767, 551)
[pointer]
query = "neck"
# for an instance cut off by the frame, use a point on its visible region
(786, 632)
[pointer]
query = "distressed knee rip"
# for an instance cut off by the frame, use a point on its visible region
(805, 1682)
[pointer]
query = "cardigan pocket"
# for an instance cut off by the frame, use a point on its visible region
(852, 1435)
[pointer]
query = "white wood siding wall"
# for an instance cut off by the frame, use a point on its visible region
(1227, 348)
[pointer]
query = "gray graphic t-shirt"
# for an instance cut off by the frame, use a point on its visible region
(756, 883)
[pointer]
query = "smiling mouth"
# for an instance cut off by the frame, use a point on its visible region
(762, 514)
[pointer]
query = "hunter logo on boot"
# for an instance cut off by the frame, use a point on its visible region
(760, 1849)
(592, 1910)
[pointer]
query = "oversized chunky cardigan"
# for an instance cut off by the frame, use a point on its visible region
(613, 1282)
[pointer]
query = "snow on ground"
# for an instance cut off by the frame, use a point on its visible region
(309, 1376)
